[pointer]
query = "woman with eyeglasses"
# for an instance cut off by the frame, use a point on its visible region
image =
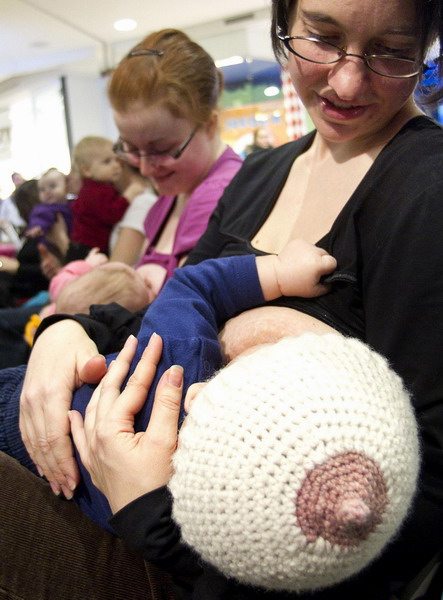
(367, 186)
(164, 95)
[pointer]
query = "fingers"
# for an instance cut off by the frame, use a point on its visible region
(51, 377)
(49, 445)
(124, 405)
(327, 263)
(109, 388)
(163, 424)
(78, 435)
(131, 400)
(94, 369)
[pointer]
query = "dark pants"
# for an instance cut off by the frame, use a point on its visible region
(50, 551)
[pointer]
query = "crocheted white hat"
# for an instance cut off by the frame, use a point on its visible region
(297, 463)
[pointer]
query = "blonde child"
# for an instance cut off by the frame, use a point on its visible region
(99, 204)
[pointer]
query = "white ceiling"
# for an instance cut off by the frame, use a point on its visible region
(38, 35)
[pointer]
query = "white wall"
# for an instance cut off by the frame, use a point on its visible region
(88, 108)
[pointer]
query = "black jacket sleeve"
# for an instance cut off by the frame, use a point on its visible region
(108, 325)
(146, 526)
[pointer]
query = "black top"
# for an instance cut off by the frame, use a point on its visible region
(388, 291)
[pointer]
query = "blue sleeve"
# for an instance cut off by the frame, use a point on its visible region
(200, 298)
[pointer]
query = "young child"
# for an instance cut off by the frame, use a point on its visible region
(52, 191)
(99, 204)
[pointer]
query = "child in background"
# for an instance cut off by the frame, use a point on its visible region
(52, 191)
(99, 204)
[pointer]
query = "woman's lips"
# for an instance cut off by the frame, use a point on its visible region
(162, 178)
(340, 110)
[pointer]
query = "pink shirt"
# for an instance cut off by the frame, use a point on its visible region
(195, 216)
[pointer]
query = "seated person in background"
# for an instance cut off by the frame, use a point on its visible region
(21, 276)
(52, 191)
(187, 314)
(9, 211)
(261, 141)
(167, 115)
(99, 204)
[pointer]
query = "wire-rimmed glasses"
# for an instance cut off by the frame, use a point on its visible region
(324, 53)
(134, 155)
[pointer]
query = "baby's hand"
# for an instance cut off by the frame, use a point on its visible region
(95, 258)
(34, 232)
(299, 267)
(296, 271)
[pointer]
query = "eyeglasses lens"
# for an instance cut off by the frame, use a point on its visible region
(325, 53)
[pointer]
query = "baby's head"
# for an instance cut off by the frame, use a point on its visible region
(111, 282)
(297, 463)
(95, 159)
(52, 187)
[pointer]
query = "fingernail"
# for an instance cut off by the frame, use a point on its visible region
(71, 483)
(175, 376)
(39, 470)
(55, 488)
(67, 493)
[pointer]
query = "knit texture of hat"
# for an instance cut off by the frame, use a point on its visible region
(296, 464)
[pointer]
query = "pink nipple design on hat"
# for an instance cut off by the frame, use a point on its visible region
(342, 500)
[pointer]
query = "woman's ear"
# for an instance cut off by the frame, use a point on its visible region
(213, 123)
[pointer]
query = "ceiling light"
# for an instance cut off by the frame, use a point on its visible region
(125, 25)
(228, 62)
(272, 90)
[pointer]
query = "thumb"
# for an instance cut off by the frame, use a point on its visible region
(328, 263)
(93, 369)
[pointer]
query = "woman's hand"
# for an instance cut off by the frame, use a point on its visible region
(62, 358)
(123, 464)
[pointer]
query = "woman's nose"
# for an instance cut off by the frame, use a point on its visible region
(348, 77)
(147, 166)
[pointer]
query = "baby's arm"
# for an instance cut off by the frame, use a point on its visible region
(296, 271)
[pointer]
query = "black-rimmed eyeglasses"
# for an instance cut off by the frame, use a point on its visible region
(134, 156)
(324, 53)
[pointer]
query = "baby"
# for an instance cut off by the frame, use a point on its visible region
(187, 314)
(52, 192)
(99, 204)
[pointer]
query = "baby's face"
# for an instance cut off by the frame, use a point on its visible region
(105, 167)
(52, 188)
